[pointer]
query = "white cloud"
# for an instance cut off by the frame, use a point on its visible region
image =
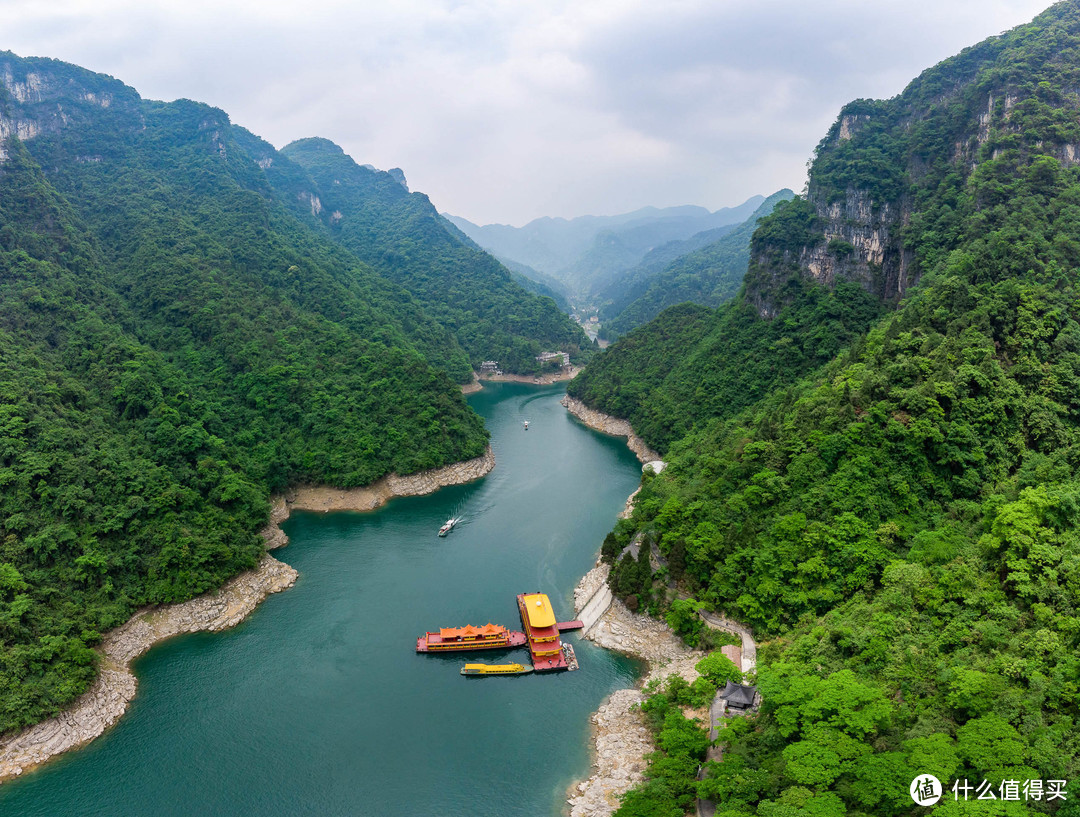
(503, 110)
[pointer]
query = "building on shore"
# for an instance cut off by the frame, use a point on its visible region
(562, 357)
(739, 696)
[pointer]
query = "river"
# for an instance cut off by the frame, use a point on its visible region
(317, 704)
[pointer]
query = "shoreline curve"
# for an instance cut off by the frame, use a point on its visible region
(107, 699)
(606, 424)
(101, 706)
(620, 739)
(532, 379)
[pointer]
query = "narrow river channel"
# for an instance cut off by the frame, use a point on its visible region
(317, 704)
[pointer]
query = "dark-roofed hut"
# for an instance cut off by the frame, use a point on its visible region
(739, 696)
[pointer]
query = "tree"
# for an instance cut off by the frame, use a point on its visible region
(719, 669)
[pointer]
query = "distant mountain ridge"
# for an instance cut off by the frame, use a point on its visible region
(707, 269)
(582, 252)
(872, 457)
(400, 234)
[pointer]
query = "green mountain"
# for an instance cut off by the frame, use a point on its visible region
(536, 281)
(177, 342)
(692, 364)
(898, 525)
(706, 272)
(402, 236)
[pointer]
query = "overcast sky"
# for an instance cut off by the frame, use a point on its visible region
(505, 110)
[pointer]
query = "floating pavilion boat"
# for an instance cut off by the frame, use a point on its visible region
(548, 653)
(488, 637)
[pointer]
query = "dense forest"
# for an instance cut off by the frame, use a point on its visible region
(692, 363)
(182, 336)
(896, 517)
(710, 275)
(402, 236)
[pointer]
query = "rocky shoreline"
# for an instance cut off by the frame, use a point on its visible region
(605, 423)
(472, 387)
(532, 379)
(369, 497)
(620, 736)
(108, 697)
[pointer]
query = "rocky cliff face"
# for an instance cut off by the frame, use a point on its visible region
(858, 237)
(862, 243)
(881, 159)
(40, 96)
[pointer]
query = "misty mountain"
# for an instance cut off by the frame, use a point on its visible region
(583, 252)
(872, 455)
(707, 268)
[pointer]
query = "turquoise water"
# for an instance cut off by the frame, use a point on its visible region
(317, 704)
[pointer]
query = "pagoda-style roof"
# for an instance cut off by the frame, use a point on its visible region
(468, 631)
(739, 696)
(538, 606)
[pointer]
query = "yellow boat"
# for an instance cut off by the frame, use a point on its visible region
(495, 669)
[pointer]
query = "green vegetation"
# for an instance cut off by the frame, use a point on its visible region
(898, 524)
(692, 363)
(671, 777)
(176, 342)
(402, 236)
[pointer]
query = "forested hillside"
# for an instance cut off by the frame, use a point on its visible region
(709, 275)
(665, 377)
(176, 344)
(401, 235)
(900, 525)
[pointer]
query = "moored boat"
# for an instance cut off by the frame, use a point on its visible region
(488, 637)
(495, 669)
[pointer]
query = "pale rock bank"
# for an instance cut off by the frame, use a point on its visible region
(532, 379)
(621, 739)
(605, 423)
(107, 699)
(369, 497)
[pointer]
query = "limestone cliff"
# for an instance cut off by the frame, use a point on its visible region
(41, 96)
(883, 159)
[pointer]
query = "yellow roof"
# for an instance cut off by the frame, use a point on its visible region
(540, 612)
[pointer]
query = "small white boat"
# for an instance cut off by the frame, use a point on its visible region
(526, 424)
(448, 525)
